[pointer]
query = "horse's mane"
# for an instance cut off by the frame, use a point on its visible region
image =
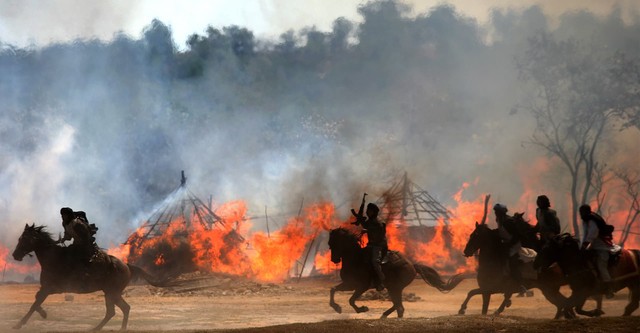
(346, 233)
(42, 233)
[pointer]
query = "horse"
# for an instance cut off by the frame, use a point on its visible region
(491, 277)
(357, 274)
(60, 275)
(583, 277)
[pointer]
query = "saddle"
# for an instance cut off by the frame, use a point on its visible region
(614, 255)
(390, 256)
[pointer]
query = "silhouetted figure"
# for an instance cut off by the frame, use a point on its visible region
(511, 240)
(377, 244)
(77, 229)
(598, 242)
(548, 225)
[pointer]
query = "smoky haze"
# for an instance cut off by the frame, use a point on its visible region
(106, 127)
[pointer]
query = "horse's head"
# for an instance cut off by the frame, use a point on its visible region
(32, 237)
(476, 240)
(555, 249)
(340, 242)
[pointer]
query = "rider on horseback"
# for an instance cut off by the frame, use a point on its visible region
(548, 223)
(377, 245)
(77, 228)
(511, 239)
(595, 240)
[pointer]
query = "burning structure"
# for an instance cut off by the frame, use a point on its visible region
(165, 241)
(185, 234)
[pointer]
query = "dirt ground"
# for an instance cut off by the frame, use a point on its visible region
(224, 303)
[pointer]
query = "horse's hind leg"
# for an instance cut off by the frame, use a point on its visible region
(634, 299)
(579, 303)
(125, 307)
(41, 312)
(470, 294)
(111, 311)
(41, 295)
(396, 298)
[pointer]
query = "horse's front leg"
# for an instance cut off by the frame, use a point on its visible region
(505, 303)
(470, 294)
(41, 295)
(486, 297)
(352, 300)
(341, 287)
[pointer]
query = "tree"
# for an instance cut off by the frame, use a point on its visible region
(570, 101)
(631, 184)
(627, 88)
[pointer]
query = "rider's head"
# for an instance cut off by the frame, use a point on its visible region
(543, 201)
(372, 210)
(67, 214)
(500, 210)
(585, 211)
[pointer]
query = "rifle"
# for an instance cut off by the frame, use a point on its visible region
(360, 214)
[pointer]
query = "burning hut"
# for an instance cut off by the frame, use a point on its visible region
(421, 223)
(166, 241)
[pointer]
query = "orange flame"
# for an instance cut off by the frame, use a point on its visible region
(323, 264)
(231, 247)
(8, 264)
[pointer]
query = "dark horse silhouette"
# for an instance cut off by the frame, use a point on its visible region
(582, 276)
(107, 273)
(357, 273)
(492, 262)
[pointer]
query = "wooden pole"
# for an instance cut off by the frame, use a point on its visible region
(304, 263)
(267, 218)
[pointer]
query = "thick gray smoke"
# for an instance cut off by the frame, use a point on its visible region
(106, 127)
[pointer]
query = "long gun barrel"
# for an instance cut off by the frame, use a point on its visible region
(360, 214)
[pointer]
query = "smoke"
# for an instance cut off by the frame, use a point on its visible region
(106, 127)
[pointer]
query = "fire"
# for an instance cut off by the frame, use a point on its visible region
(323, 264)
(121, 251)
(444, 250)
(232, 247)
(159, 260)
(275, 255)
(8, 264)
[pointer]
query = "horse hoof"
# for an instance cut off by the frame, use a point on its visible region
(363, 309)
(17, 327)
(508, 303)
(337, 308)
(461, 312)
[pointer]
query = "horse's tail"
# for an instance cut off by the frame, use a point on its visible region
(432, 278)
(137, 272)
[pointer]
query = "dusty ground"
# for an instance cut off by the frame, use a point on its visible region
(223, 303)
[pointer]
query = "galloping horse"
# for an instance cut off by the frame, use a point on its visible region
(582, 276)
(357, 274)
(492, 279)
(106, 273)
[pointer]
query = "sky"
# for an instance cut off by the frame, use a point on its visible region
(35, 23)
